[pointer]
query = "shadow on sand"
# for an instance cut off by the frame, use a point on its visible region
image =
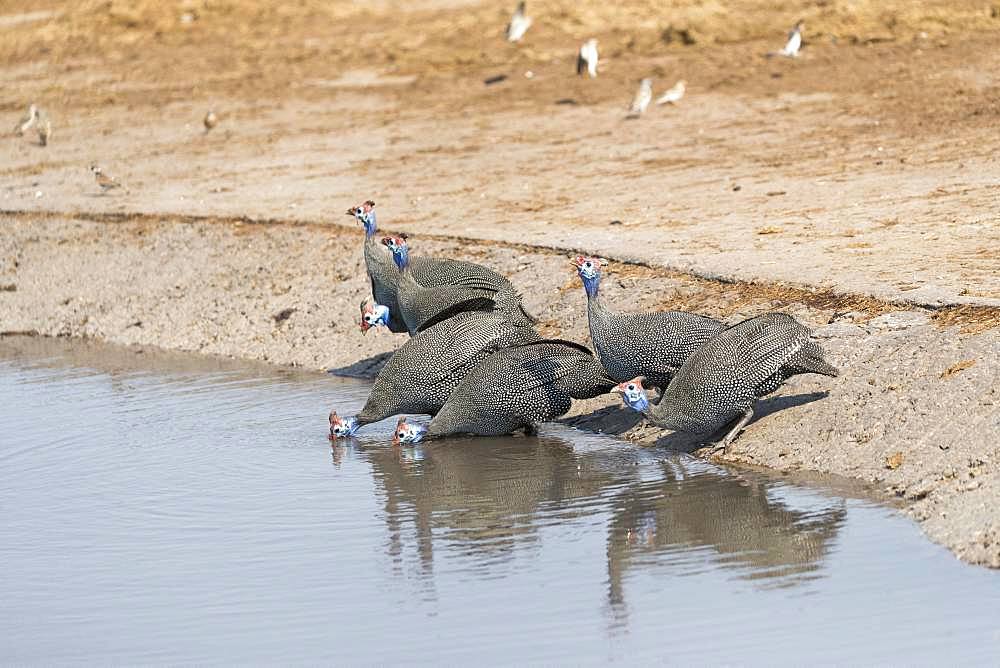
(366, 368)
(618, 420)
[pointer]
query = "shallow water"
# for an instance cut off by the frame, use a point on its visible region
(168, 509)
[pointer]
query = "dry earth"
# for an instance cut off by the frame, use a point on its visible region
(855, 187)
(916, 410)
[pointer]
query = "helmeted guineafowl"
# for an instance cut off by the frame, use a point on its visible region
(516, 388)
(722, 381)
(374, 315)
(422, 306)
(382, 271)
(654, 345)
(429, 272)
(432, 272)
(421, 374)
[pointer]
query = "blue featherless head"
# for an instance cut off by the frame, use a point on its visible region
(400, 250)
(407, 433)
(589, 269)
(373, 315)
(342, 427)
(633, 394)
(365, 214)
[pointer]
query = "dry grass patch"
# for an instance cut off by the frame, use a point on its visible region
(957, 367)
(970, 319)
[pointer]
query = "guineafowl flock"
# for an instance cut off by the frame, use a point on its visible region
(476, 364)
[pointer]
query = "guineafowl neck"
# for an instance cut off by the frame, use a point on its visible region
(595, 307)
(592, 286)
(664, 414)
(381, 266)
(406, 277)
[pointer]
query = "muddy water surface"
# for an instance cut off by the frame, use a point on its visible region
(168, 509)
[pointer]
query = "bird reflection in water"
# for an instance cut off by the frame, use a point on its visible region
(742, 517)
(488, 498)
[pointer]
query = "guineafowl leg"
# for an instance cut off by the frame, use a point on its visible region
(735, 431)
(738, 427)
(530, 430)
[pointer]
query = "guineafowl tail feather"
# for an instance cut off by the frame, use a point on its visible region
(511, 302)
(531, 317)
(810, 360)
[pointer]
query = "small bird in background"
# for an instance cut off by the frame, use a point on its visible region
(210, 121)
(103, 180)
(642, 99)
(674, 95)
(793, 44)
(44, 128)
(587, 59)
(26, 122)
(519, 24)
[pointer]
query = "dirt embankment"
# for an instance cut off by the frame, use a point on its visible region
(868, 165)
(916, 409)
(855, 187)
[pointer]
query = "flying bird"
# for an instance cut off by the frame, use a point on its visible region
(519, 24)
(793, 44)
(27, 121)
(642, 99)
(674, 95)
(105, 182)
(587, 58)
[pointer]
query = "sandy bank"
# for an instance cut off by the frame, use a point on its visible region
(916, 410)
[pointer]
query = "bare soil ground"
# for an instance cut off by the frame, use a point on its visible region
(856, 187)
(916, 410)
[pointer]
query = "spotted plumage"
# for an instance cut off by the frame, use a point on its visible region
(654, 345)
(518, 387)
(423, 306)
(421, 374)
(382, 271)
(721, 382)
(428, 272)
